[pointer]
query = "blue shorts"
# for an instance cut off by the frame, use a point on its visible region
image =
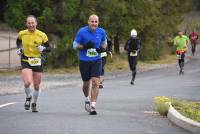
(90, 69)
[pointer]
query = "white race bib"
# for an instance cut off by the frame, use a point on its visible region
(134, 53)
(178, 56)
(34, 61)
(104, 54)
(92, 52)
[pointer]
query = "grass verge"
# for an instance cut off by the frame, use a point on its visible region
(119, 62)
(189, 109)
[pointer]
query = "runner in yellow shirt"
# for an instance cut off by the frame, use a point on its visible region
(31, 43)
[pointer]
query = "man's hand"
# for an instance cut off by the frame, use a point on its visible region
(89, 45)
(110, 55)
(41, 48)
(19, 51)
(100, 50)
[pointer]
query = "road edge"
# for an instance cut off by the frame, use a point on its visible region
(182, 121)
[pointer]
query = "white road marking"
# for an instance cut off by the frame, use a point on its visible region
(6, 104)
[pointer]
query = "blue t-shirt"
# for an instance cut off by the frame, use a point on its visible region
(84, 35)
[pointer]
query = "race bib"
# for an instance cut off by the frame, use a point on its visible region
(34, 61)
(133, 53)
(178, 56)
(92, 52)
(104, 54)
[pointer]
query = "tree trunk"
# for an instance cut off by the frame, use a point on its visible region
(116, 43)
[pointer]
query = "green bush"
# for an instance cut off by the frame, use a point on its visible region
(162, 104)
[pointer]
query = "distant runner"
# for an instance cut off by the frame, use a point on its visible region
(104, 60)
(193, 40)
(181, 42)
(132, 46)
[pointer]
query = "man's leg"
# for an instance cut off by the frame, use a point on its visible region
(130, 61)
(104, 60)
(37, 77)
(95, 89)
(86, 90)
(27, 78)
(133, 75)
(95, 78)
(101, 81)
(181, 63)
(193, 49)
(94, 94)
(84, 68)
(86, 86)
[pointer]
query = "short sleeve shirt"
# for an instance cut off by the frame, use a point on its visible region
(30, 41)
(181, 42)
(84, 35)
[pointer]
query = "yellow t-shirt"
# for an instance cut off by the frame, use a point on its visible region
(30, 41)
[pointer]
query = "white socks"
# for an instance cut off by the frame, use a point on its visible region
(35, 96)
(93, 104)
(28, 92)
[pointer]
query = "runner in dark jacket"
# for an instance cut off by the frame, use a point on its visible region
(132, 46)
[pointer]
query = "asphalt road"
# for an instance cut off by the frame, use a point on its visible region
(122, 108)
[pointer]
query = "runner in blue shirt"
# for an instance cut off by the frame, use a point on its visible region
(90, 41)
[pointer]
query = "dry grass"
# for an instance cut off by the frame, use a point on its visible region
(6, 72)
(188, 108)
(117, 63)
(62, 70)
(166, 59)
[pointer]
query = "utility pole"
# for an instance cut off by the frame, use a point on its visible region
(9, 66)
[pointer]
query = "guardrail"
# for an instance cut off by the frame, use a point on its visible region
(8, 56)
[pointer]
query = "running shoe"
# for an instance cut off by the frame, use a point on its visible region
(132, 82)
(34, 108)
(181, 72)
(27, 103)
(87, 106)
(93, 111)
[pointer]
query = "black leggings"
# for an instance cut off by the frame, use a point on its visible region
(132, 60)
(193, 48)
(181, 61)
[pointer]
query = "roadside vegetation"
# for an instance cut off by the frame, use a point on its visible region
(155, 20)
(189, 109)
(119, 62)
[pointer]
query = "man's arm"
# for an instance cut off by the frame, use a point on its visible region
(175, 41)
(19, 46)
(104, 44)
(19, 43)
(78, 46)
(47, 47)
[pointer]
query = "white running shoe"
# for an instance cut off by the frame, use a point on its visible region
(87, 106)
(93, 111)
